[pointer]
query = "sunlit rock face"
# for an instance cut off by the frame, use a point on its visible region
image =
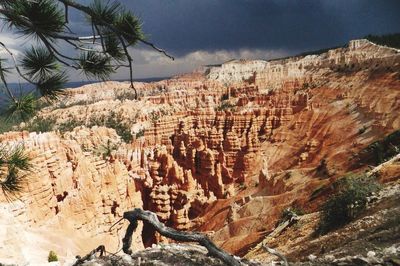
(73, 194)
(222, 150)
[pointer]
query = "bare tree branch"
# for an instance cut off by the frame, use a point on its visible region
(83, 48)
(66, 13)
(156, 48)
(151, 218)
(101, 249)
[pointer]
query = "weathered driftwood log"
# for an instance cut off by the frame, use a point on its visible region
(181, 236)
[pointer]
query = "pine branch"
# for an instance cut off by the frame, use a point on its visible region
(113, 27)
(89, 12)
(54, 52)
(9, 93)
(16, 65)
(66, 15)
(15, 162)
(157, 49)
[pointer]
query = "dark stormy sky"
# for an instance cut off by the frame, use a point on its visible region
(184, 26)
(199, 32)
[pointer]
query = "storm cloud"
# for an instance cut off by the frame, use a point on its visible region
(199, 32)
(184, 26)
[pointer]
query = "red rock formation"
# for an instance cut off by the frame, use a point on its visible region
(214, 156)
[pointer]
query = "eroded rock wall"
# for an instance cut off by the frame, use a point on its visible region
(72, 189)
(222, 150)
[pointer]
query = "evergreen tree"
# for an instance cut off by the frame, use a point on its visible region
(45, 23)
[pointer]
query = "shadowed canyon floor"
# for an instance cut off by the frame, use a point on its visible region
(223, 150)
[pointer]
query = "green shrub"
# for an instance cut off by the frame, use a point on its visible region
(112, 120)
(125, 94)
(7, 124)
(225, 106)
(52, 256)
(154, 116)
(69, 125)
(382, 150)
(115, 121)
(348, 203)
(318, 192)
(41, 124)
(107, 149)
(121, 127)
(225, 97)
(140, 133)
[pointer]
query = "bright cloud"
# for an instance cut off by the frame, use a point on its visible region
(149, 63)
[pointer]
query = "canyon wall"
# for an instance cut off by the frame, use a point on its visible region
(357, 54)
(223, 150)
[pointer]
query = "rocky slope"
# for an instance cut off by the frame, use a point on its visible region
(373, 239)
(223, 150)
(163, 255)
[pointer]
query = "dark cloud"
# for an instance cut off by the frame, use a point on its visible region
(199, 32)
(183, 26)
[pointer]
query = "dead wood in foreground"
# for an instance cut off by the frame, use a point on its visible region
(101, 249)
(181, 236)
